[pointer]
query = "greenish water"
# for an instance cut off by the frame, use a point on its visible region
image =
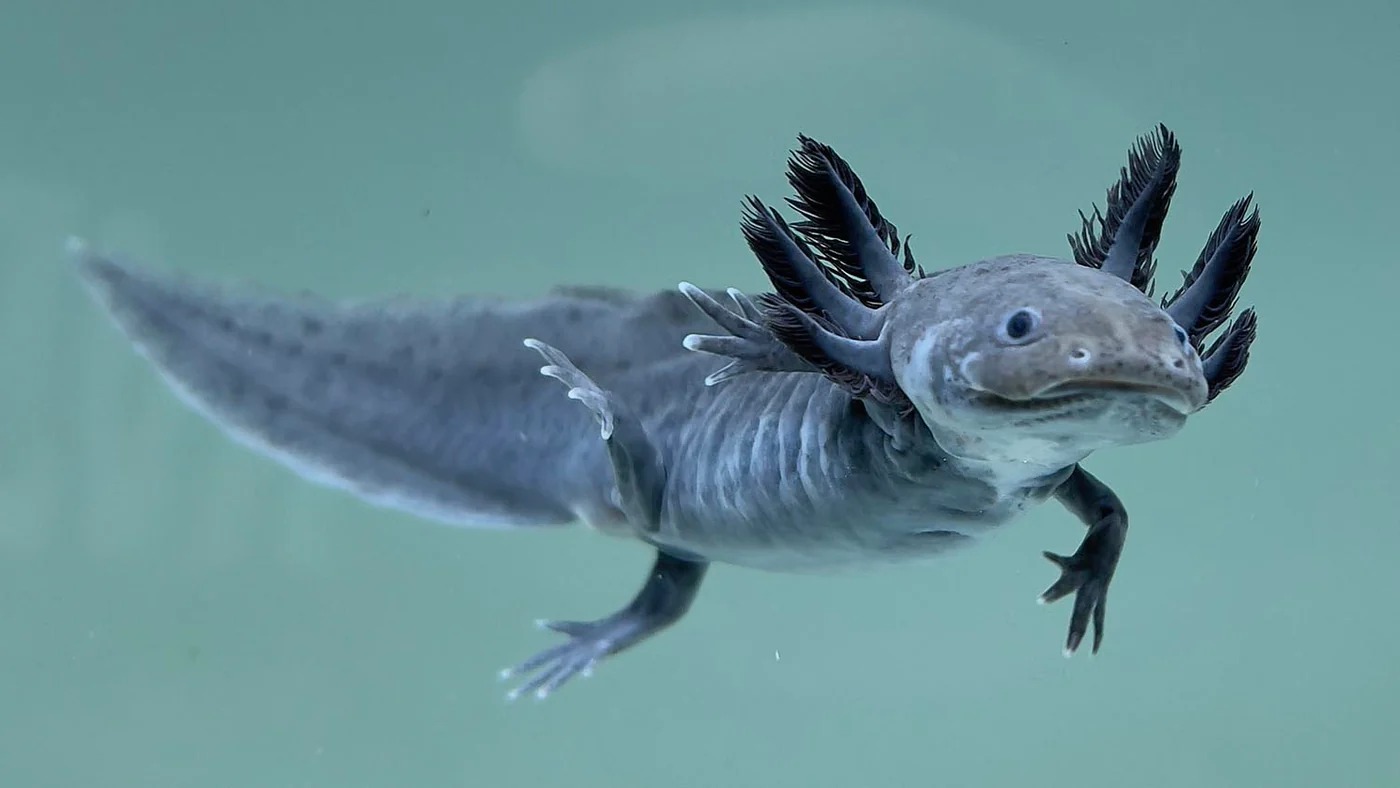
(177, 611)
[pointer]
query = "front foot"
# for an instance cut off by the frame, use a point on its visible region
(1088, 572)
(1086, 575)
(664, 599)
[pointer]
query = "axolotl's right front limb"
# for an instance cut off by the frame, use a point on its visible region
(673, 582)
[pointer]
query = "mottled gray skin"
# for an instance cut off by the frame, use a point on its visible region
(430, 407)
(784, 471)
(440, 409)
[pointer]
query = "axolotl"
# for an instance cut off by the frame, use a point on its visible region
(862, 411)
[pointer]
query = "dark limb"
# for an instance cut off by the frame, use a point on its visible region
(1087, 573)
(669, 591)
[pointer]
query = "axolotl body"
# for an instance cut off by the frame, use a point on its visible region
(862, 412)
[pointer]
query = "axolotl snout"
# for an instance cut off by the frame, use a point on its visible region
(863, 411)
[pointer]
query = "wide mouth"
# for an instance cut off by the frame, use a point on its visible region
(1078, 392)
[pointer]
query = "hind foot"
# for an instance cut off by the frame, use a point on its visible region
(638, 471)
(581, 387)
(667, 595)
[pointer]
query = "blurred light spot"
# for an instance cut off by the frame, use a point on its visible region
(721, 97)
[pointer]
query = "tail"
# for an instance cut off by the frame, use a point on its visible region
(433, 408)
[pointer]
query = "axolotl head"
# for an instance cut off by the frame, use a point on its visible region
(1016, 358)
(1026, 358)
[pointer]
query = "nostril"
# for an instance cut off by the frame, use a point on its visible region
(1179, 363)
(1079, 356)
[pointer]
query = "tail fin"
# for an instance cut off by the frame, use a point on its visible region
(433, 408)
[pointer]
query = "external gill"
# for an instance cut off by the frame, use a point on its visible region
(1122, 240)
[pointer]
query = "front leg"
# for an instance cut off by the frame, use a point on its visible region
(638, 471)
(1088, 572)
(667, 595)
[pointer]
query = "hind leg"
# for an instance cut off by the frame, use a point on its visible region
(638, 471)
(673, 582)
(670, 589)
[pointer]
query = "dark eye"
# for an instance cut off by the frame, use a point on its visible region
(1182, 337)
(1020, 324)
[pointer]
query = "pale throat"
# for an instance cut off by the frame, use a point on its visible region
(1006, 458)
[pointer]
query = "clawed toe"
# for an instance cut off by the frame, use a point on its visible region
(1089, 584)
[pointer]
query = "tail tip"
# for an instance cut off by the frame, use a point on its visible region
(95, 269)
(75, 246)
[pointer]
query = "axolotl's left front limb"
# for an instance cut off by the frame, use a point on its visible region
(673, 582)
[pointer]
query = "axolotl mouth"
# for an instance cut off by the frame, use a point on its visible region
(1075, 394)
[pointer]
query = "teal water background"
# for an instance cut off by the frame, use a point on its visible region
(177, 611)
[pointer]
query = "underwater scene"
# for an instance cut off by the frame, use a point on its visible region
(508, 395)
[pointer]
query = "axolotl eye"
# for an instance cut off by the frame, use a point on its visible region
(1019, 326)
(1182, 337)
